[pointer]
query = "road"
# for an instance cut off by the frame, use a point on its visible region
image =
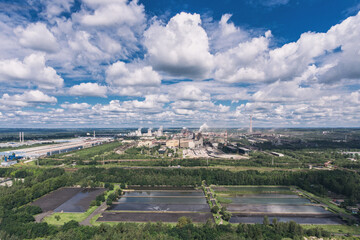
(100, 210)
(41, 216)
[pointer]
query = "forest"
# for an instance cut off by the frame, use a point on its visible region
(17, 221)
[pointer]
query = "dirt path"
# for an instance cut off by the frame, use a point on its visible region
(100, 209)
(41, 216)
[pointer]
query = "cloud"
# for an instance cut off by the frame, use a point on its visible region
(184, 111)
(286, 91)
(275, 2)
(113, 106)
(88, 89)
(31, 70)
(331, 56)
(224, 34)
(269, 3)
(37, 37)
(151, 104)
(28, 98)
(180, 48)
(54, 8)
(113, 12)
(242, 63)
(191, 92)
(119, 74)
(75, 106)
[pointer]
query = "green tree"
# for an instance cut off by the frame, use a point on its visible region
(215, 209)
(266, 221)
(108, 201)
(183, 221)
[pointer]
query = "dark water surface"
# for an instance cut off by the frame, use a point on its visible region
(160, 207)
(164, 200)
(163, 193)
(299, 220)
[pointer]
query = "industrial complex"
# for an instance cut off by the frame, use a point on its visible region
(11, 157)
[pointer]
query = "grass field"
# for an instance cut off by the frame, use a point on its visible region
(336, 228)
(66, 217)
(91, 153)
(326, 201)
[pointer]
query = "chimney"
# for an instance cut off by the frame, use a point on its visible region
(250, 129)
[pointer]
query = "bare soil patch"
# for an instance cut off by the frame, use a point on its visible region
(52, 200)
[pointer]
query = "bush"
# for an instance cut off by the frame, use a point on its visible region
(69, 225)
(100, 198)
(93, 203)
(215, 209)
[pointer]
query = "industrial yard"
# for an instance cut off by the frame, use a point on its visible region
(58, 147)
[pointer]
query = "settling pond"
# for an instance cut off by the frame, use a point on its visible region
(251, 204)
(159, 205)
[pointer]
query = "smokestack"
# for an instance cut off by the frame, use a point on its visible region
(250, 129)
(94, 134)
(23, 137)
(20, 136)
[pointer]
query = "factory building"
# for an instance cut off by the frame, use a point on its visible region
(243, 150)
(187, 143)
(173, 143)
(277, 154)
(8, 163)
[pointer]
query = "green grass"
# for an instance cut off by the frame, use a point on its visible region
(223, 200)
(66, 217)
(258, 189)
(90, 153)
(336, 228)
(325, 200)
(93, 220)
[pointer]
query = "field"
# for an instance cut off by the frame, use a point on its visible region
(165, 205)
(61, 218)
(337, 228)
(68, 199)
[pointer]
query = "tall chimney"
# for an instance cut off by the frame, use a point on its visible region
(23, 139)
(20, 136)
(250, 129)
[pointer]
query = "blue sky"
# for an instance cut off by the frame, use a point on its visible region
(120, 63)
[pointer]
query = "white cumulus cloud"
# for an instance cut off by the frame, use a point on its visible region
(88, 89)
(38, 37)
(32, 70)
(75, 106)
(180, 48)
(28, 98)
(119, 74)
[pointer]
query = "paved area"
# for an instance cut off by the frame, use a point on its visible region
(100, 210)
(41, 216)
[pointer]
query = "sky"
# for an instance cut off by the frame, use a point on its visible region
(179, 63)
